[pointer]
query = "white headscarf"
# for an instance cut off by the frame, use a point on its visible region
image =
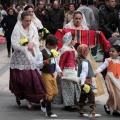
(67, 38)
(34, 21)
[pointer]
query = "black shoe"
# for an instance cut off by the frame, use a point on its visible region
(116, 114)
(69, 108)
(50, 114)
(107, 109)
(8, 54)
(43, 106)
(18, 101)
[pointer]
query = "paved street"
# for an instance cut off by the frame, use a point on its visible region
(9, 110)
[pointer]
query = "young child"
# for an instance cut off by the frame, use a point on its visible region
(85, 73)
(48, 66)
(112, 80)
(70, 90)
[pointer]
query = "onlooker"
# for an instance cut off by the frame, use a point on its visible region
(95, 24)
(40, 11)
(2, 12)
(47, 16)
(8, 24)
(56, 17)
(69, 14)
(35, 20)
(89, 15)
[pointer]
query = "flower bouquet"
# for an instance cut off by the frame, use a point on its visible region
(43, 33)
(24, 41)
(53, 54)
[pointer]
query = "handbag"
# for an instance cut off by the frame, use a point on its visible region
(114, 40)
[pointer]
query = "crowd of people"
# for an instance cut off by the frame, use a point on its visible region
(40, 76)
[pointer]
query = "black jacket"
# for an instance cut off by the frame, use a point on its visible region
(56, 18)
(8, 24)
(108, 21)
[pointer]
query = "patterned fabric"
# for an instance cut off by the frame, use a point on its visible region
(27, 84)
(83, 50)
(89, 37)
(69, 92)
(21, 62)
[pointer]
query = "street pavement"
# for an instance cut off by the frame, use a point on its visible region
(9, 110)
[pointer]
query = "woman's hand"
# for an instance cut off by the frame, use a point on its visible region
(30, 46)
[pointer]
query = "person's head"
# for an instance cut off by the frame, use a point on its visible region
(111, 3)
(114, 51)
(71, 7)
(48, 7)
(90, 2)
(51, 42)
(69, 39)
(84, 2)
(77, 18)
(26, 19)
(1, 7)
(55, 4)
(18, 8)
(41, 5)
(83, 50)
(29, 8)
(76, 46)
(10, 11)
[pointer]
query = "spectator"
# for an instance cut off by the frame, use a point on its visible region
(8, 24)
(56, 17)
(69, 14)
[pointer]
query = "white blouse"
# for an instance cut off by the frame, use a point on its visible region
(106, 64)
(39, 61)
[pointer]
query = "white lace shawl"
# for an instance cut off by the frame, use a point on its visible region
(20, 33)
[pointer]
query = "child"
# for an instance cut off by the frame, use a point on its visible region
(70, 90)
(48, 67)
(85, 73)
(112, 80)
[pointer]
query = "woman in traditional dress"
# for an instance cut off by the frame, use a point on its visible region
(25, 80)
(35, 20)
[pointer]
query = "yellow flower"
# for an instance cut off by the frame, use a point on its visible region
(86, 88)
(23, 41)
(54, 53)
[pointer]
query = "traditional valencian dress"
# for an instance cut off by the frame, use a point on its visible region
(70, 91)
(112, 81)
(25, 80)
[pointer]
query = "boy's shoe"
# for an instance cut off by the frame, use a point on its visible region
(116, 114)
(43, 106)
(107, 109)
(84, 115)
(50, 114)
(95, 115)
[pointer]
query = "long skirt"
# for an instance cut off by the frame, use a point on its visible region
(27, 84)
(114, 94)
(69, 91)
